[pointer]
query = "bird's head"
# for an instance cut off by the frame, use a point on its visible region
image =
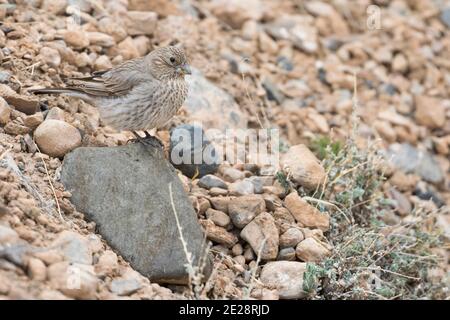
(169, 63)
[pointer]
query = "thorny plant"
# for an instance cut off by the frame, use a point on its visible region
(371, 259)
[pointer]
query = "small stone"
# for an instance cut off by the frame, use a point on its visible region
(26, 104)
(210, 181)
(402, 204)
(141, 22)
(445, 17)
(102, 63)
(5, 76)
(142, 44)
(220, 203)
(5, 112)
(237, 250)
(240, 188)
(14, 128)
(100, 39)
(7, 235)
(218, 234)
(74, 247)
(56, 138)
(400, 64)
(218, 192)
(291, 238)
(50, 56)
(258, 184)
(262, 235)
(75, 280)
(33, 121)
(218, 217)
(125, 287)
(49, 257)
(235, 12)
(77, 39)
(56, 7)
(306, 214)
(243, 209)
(267, 44)
(430, 112)
(412, 160)
(232, 174)
(55, 113)
(249, 255)
(36, 269)
(303, 167)
(286, 277)
(311, 250)
(107, 263)
(287, 254)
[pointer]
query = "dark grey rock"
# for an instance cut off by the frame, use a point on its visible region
(445, 17)
(411, 160)
(272, 91)
(210, 181)
(191, 152)
(125, 190)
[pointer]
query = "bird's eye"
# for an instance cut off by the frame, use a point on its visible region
(172, 59)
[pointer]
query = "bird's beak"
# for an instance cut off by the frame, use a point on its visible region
(185, 69)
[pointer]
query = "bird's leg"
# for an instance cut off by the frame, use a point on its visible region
(147, 140)
(152, 140)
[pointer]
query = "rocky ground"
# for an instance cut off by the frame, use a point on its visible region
(360, 208)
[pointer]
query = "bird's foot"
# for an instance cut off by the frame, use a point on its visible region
(147, 140)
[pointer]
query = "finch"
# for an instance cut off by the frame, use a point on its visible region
(139, 94)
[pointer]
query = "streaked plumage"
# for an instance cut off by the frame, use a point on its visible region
(139, 94)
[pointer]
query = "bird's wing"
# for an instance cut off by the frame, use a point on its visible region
(113, 82)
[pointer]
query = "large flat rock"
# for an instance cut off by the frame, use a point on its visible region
(125, 190)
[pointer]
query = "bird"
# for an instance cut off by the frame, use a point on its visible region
(138, 95)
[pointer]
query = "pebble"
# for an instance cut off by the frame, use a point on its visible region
(286, 277)
(240, 188)
(287, 254)
(311, 250)
(7, 235)
(305, 213)
(56, 137)
(243, 209)
(303, 167)
(75, 280)
(210, 181)
(100, 39)
(290, 238)
(218, 234)
(232, 174)
(125, 287)
(74, 247)
(262, 235)
(5, 112)
(430, 112)
(50, 57)
(218, 217)
(107, 263)
(37, 269)
(77, 39)
(141, 23)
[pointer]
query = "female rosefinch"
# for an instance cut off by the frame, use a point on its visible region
(139, 94)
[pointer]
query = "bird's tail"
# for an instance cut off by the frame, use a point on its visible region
(67, 91)
(51, 91)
